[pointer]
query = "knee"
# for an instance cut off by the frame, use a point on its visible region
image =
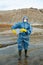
(19, 47)
(26, 46)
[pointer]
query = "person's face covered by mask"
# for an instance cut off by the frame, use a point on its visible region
(25, 19)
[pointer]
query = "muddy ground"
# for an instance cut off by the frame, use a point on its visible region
(9, 50)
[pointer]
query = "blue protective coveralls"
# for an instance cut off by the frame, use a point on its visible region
(23, 38)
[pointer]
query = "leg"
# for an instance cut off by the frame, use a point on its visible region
(19, 54)
(20, 47)
(26, 48)
(19, 50)
(26, 53)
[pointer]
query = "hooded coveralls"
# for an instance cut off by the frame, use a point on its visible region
(23, 37)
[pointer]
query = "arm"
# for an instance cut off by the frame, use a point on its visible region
(29, 30)
(16, 26)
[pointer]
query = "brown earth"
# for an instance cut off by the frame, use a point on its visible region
(16, 15)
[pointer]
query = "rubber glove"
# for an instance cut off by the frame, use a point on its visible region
(14, 31)
(23, 30)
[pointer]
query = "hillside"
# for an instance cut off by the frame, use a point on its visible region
(35, 15)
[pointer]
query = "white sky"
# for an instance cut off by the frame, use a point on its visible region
(16, 4)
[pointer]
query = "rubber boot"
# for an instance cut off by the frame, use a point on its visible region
(19, 55)
(26, 56)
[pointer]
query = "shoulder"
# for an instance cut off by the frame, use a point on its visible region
(28, 23)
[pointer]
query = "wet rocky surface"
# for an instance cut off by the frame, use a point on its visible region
(9, 50)
(9, 56)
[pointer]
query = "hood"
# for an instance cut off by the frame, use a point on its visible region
(25, 17)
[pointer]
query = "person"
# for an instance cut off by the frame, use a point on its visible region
(23, 37)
